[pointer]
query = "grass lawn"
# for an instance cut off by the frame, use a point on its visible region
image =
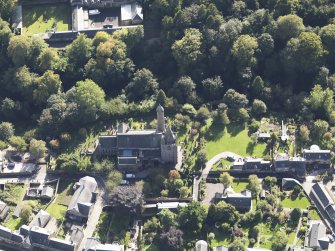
(220, 239)
(231, 138)
(41, 18)
(291, 238)
(239, 186)
(301, 202)
(57, 211)
(222, 164)
(12, 223)
(314, 215)
(118, 226)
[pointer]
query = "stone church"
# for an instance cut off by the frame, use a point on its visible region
(141, 148)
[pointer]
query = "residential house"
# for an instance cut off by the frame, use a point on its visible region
(289, 184)
(41, 219)
(131, 13)
(4, 210)
(93, 244)
(141, 148)
(317, 237)
(317, 157)
(82, 200)
(323, 198)
(40, 236)
(63, 245)
(241, 201)
(42, 191)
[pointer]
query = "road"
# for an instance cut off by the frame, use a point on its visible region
(207, 168)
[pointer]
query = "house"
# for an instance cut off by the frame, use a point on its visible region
(4, 210)
(140, 148)
(201, 245)
(7, 234)
(47, 192)
(289, 184)
(317, 237)
(59, 244)
(95, 245)
(317, 157)
(41, 219)
(323, 198)
(241, 201)
(131, 13)
(40, 236)
(82, 200)
(42, 191)
(284, 163)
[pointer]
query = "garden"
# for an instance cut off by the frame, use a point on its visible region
(44, 18)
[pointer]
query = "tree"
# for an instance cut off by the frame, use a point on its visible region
(237, 245)
(7, 8)
(304, 133)
(184, 192)
(25, 82)
(269, 182)
(46, 85)
(203, 114)
(19, 143)
(173, 174)
(68, 162)
(202, 158)
(8, 108)
(6, 130)
(279, 241)
(187, 51)
(254, 185)
(143, 85)
(126, 198)
(184, 89)
(191, 218)
(189, 110)
(289, 26)
(171, 240)
(226, 179)
(295, 215)
(26, 213)
(233, 99)
(167, 218)
(79, 51)
(151, 225)
(320, 127)
(114, 179)
(48, 59)
(104, 166)
(161, 98)
(37, 148)
(88, 98)
(222, 213)
(259, 107)
(257, 86)
(100, 37)
(304, 53)
(321, 101)
(212, 87)
(19, 50)
(243, 51)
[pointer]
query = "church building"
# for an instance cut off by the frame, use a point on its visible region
(141, 148)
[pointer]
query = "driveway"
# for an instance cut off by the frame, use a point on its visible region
(211, 190)
(207, 168)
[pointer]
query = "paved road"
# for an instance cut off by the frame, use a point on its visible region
(207, 168)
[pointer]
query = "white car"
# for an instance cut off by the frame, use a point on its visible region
(130, 176)
(124, 182)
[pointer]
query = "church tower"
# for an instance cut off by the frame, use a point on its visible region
(160, 119)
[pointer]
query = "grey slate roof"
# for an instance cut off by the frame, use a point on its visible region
(47, 192)
(331, 211)
(17, 237)
(81, 200)
(41, 219)
(108, 142)
(5, 232)
(61, 244)
(39, 235)
(289, 183)
(137, 140)
(317, 236)
(240, 200)
(321, 193)
(4, 210)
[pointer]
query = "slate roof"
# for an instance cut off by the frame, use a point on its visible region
(317, 235)
(240, 200)
(81, 200)
(17, 237)
(331, 211)
(47, 192)
(289, 183)
(316, 154)
(61, 244)
(40, 220)
(139, 139)
(4, 210)
(76, 235)
(39, 235)
(321, 193)
(93, 244)
(5, 232)
(107, 142)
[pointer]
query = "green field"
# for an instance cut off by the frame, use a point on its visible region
(314, 215)
(233, 139)
(239, 186)
(298, 202)
(39, 19)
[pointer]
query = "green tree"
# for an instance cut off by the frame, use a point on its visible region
(222, 212)
(25, 82)
(304, 133)
(279, 241)
(100, 37)
(37, 148)
(233, 99)
(295, 215)
(26, 213)
(114, 179)
(258, 107)
(320, 127)
(48, 59)
(19, 143)
(243, 51)
(202, 158)
(187, 51)
(289, 26)
(237, 245)
(321, 100)
(79, 51)
(19, 50)
(184, 89)
(143, 85)
(167, 218)
(254, 185)
(191, 218)
(184, 192)
(171, 240)
(46, 85)
(226, 179)
(212, 87)
(88, 97)
(6, 130)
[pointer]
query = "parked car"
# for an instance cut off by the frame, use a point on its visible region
(11, 165)
(130, 176)
(124, 182)
(107, 26)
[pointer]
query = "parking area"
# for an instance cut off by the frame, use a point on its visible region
(211, 189)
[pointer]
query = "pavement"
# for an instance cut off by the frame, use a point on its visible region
(207, 168)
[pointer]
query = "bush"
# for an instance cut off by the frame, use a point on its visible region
(6, 130)
(3, 145)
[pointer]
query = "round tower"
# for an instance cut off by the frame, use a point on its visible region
(160, 119)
